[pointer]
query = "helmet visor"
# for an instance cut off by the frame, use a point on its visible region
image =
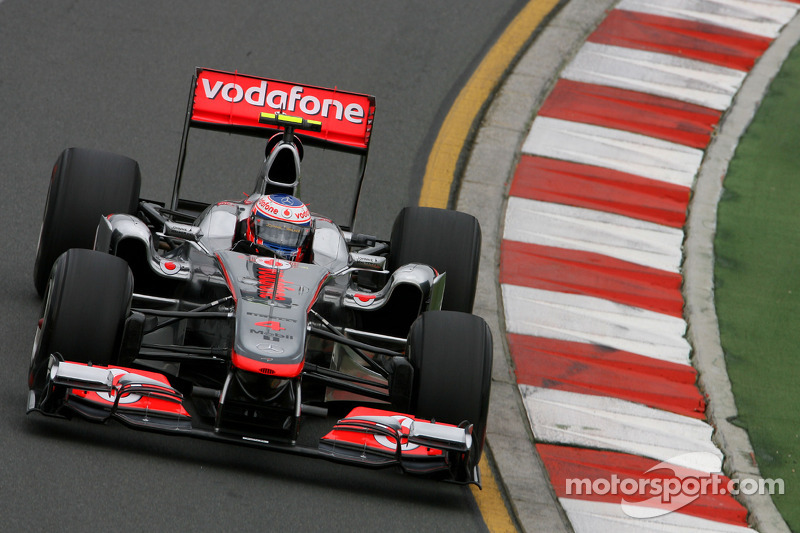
(284, 234)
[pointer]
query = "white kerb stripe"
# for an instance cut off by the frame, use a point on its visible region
(577, 228)
(605, 423)
(599, 517)
(590, 320)
(665, 75)
(628, 152)
(759, 17)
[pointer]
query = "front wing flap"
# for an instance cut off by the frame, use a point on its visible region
(136, 397)
(366, 437)
(373, 437)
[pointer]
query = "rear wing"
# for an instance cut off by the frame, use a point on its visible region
(234, 103)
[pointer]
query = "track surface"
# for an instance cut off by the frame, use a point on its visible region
(116, 77)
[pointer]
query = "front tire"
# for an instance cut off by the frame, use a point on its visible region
(85, 185)
(87, 299)
(451, 353)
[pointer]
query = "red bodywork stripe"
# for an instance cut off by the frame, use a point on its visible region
(144, 403)
(363, 439)
(227, 277)
(277, 370)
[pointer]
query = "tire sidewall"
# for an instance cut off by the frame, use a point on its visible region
(449, 241)
(451, 353)
(86, 302)
(84, 185)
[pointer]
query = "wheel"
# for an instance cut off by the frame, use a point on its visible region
(449, 241)
(451, 353)
(87, 300)
(85, 185)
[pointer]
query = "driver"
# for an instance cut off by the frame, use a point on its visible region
(281, 224)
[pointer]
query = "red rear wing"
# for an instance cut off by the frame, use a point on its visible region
(234, 102)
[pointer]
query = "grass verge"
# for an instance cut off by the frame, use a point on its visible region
(757, 284)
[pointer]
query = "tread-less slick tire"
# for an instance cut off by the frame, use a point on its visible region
(85, 185)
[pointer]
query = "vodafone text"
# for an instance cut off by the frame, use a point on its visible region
(281, 100)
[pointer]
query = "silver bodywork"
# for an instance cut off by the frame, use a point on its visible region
(274, 292)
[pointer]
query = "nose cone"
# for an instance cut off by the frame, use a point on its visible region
(273, 297)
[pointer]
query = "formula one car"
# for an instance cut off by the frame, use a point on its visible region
(237, 321)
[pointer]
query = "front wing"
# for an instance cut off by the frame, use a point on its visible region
(366, 437)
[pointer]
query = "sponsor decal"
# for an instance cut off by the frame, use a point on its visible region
(281, 99)
(390, 443)
(364, 300)
(283, 207)
(234, 99)
(271, 317)
(269, 335)
(274, 325)
(142, 402)
(269, 348)
(170, 267)
(130, 398)
(271, 262)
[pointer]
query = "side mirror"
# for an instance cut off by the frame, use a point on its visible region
(183, 231)
(367, 262)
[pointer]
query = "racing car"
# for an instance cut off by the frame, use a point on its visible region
(239, 321)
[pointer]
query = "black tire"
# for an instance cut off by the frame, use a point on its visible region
(449, 241)
(87, 299)
(451, 353)
(85, 185)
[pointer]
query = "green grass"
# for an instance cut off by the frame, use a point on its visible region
(757, 278)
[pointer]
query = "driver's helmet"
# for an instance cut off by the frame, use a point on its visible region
(280, 223)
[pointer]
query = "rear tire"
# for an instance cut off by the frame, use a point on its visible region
(87, 299)
(451, 353)
(85, 185)
(449, 241)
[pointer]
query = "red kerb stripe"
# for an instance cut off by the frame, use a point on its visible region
(654, 116)
(602, 189)
(680, 37)
(603, 371)
(590, 274)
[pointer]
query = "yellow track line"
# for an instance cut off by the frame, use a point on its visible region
(440, 173)
(441, 167)
(490, 502)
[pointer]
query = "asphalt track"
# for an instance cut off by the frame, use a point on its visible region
(116, 76)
